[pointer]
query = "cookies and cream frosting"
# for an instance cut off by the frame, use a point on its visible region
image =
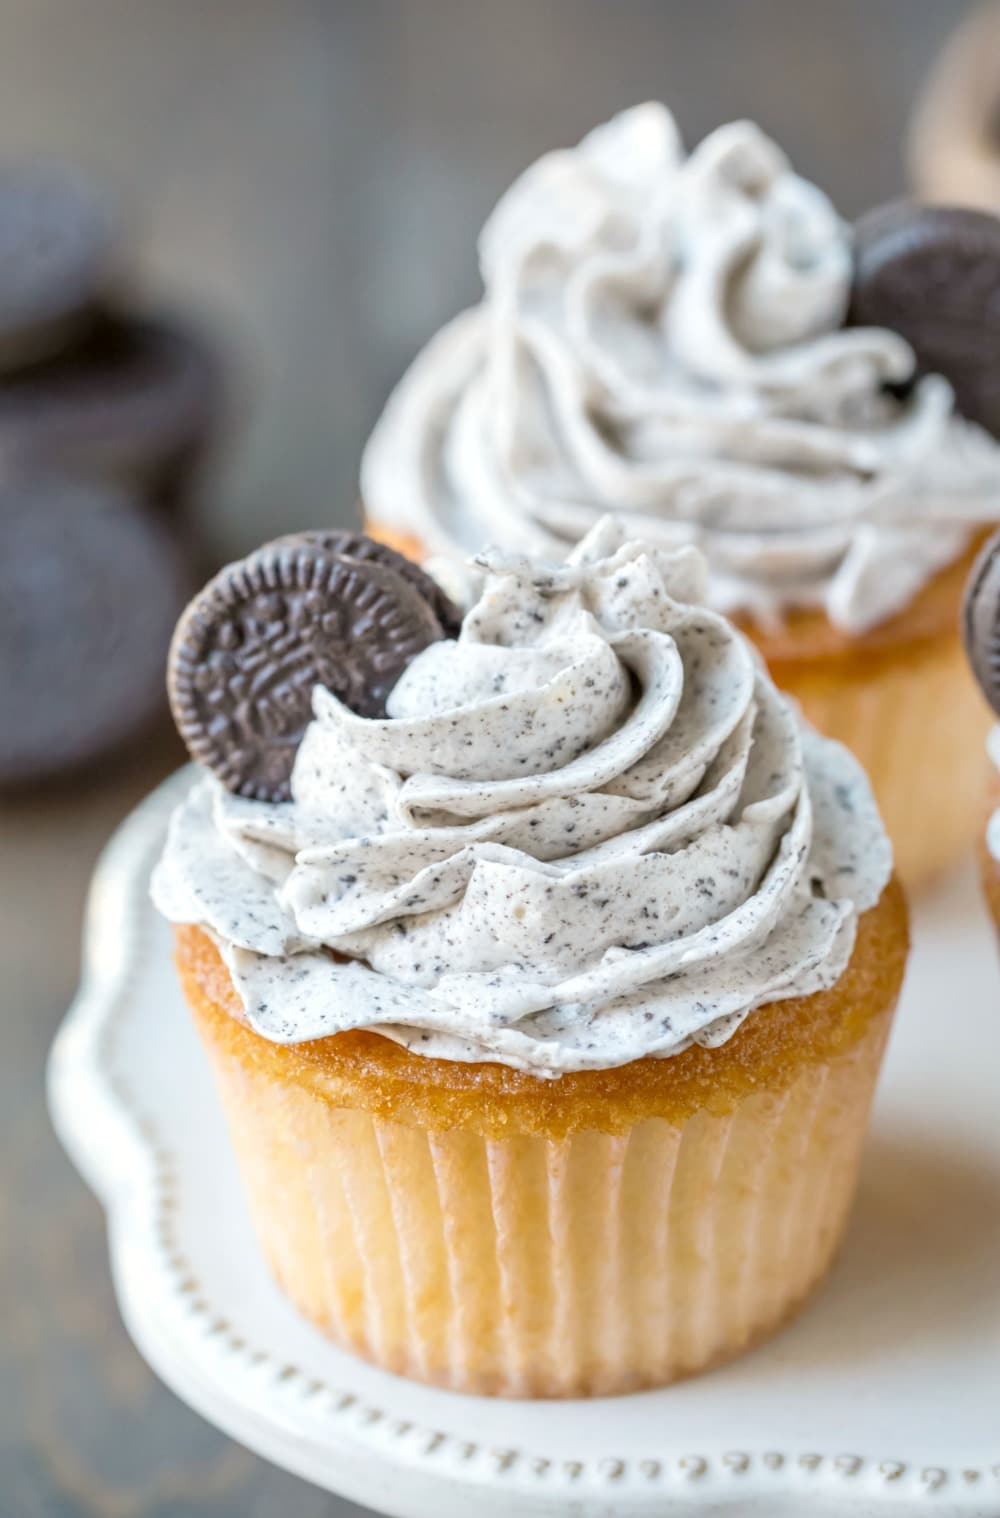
(662, 336)
(590, 829)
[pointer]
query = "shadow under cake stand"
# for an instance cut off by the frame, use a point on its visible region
(883, 1398)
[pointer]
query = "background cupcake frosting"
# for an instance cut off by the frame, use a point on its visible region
(590, 830)
(663, 335)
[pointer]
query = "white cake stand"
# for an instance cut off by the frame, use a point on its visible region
(884, 1398)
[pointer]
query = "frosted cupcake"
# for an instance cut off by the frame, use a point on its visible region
(665, 336)
(547, 995)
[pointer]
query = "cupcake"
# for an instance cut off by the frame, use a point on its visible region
(700, 345)
(544, 957)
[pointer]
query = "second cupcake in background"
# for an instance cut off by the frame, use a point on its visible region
(700, 345)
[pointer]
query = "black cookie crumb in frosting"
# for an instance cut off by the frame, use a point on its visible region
(90, 588)
(981, 621)
(57, 254)
(931, 273)
(313, 609)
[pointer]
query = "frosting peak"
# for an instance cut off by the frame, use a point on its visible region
(588, 830)
(662, 335)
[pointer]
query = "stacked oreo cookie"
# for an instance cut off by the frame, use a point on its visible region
(106, 415)
(335, 609)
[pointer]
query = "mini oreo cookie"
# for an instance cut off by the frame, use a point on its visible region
(297, 613)
(57, 259)
(90, 588)
(135, 403)
(932, 274)
(981, 621)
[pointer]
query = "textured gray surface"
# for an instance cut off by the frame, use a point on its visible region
(311, 173)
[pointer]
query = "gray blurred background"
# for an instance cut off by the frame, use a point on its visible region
(310, 175)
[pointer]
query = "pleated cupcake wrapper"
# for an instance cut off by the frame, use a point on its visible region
(918, 724)
(526, 1266)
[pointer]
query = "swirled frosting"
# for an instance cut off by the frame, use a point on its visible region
(589, 830)
(662, 336)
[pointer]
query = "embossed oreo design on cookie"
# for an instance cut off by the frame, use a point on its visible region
(57, 257)
(932, 274)
(299, 612)
(357, 545)
(981, 621)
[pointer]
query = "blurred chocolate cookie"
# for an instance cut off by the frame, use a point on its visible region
(135, 403)
(932, 274)
(57, 260)
(90, 588)
(981, 621)
(315, 609)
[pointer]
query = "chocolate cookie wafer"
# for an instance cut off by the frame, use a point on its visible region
(90, 588)
(57, 260)
(315, 609)
(981, 621)
(136, 403)
(932, 274)
(358, 545)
